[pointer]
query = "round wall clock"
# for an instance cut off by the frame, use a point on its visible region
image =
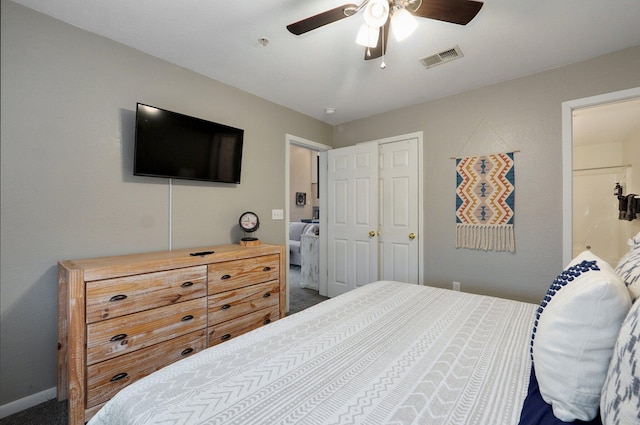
(249, 223)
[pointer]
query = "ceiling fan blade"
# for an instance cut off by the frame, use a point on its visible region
(459, 12)
(378, 51)
(321, 19)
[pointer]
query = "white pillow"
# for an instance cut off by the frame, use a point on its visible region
(576, 328)
(629, 267)
(620, 403)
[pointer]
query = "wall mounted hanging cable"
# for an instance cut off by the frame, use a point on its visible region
(170, 218)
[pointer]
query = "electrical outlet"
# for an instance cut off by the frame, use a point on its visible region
(277, 214)
(456, 286)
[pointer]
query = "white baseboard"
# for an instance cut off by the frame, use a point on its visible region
(27, 402)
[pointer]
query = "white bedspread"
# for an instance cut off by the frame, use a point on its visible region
(387, 353)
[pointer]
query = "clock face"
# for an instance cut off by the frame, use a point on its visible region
(249, 221)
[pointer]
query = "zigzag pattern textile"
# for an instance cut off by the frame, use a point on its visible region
(386, 353)
(485, 199)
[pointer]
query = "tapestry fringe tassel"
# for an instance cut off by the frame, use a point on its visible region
(487, 238)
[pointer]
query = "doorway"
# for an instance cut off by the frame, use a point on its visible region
(319, 187)
(601, 231)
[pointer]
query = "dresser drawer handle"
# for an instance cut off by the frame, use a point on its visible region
(225, 337)
(119, 297)
(267, 295)
(187, 318)
(187, 284)
(266, 269)
(266, 321)
(118, 377)
(118, 337)
(225, 307)
(186, 351)
(226, 276)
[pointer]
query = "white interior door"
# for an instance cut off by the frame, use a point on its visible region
(352, 217)
(398, 211)
(373, 215)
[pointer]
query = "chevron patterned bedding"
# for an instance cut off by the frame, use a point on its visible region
(386, 353)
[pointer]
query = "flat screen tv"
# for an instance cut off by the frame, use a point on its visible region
(173, 145)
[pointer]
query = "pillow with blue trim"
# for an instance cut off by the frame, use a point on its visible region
(536, 412)
(629, 267)
(575, 330)
(620, 402)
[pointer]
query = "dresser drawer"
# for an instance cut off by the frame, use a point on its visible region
(106, 378)
(116, 297)
(231, 304)
(224, 331)
(114, 337)
(230, 275)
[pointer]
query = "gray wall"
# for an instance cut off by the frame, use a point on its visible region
(68, 102)
(522, 114)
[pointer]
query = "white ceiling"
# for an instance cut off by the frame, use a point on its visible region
(325, 68)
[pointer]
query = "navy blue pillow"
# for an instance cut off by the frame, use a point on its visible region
(536, 411)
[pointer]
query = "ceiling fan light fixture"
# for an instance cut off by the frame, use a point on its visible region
(376, 13)
(367, 36)
(403, 23)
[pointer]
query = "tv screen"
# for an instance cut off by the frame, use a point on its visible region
(173, 145)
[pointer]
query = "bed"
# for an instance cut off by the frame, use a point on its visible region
(385, 353)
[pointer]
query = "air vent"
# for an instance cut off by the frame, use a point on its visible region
(442, 57)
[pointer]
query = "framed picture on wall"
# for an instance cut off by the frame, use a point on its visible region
(301, 198)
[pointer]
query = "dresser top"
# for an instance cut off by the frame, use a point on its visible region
(126, 265)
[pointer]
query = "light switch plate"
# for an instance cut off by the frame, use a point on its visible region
(277, 214)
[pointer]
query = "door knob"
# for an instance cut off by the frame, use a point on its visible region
(372, 233)
(412, 236)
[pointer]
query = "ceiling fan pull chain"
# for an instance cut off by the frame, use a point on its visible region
(383, 65)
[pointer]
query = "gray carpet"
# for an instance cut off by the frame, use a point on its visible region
(54, 412)
(300, 298)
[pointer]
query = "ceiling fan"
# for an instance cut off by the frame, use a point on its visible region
(397, 15)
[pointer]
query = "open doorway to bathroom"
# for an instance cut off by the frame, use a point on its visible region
(606, 152)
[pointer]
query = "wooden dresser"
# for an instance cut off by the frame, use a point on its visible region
(121, 318)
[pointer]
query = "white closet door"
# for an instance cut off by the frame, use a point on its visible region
(352, 218)
(373, 214)
(398, 211)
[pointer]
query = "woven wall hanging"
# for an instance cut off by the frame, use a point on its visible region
(485, 197)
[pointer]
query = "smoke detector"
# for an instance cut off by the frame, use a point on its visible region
(442, 57)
